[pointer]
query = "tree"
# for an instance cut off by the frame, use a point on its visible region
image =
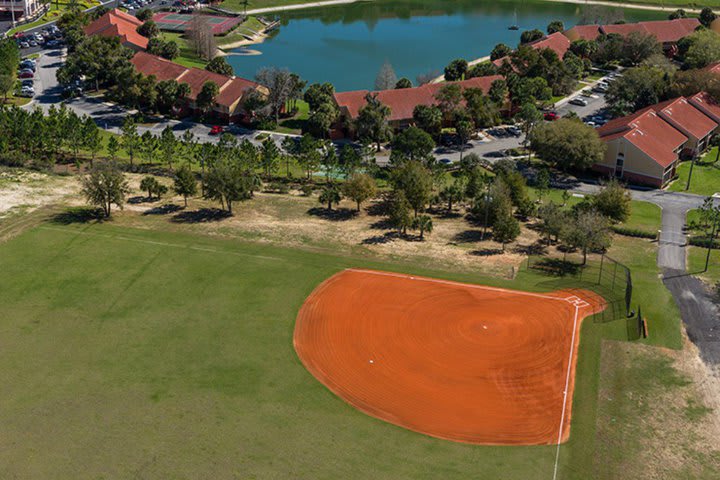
(423, 223)
(415, 181)
(168, 145)
(386, 78)
(704, 49)
(707, 17)
(112, 147)
(464, 129)
(148, 146)
(7, 85)
(130, 138)
(553, 219)
(280, 84)
(679, 13)
(498, 92)
(359, 188)
(320, 120)
(568, 144)
(200, 36)
(93, 140)
(227, 182)
(269, 157)
(221, 66)
(456, 70)
(613, 201)
(481, 109)
(206, 98)
(506, 228)
(185, 183)
(588, 231)
(555, 26)
(318, 94)
(371, 123)
(403, 83)
(330, 194)
(542, 183)
(449, 98)
(529, 36)
(412, 144)
(170, 50)
(453, 193)
(149, 29)
(638, 88)
(529, 117)
(399, 211)
(152, 186)
(104, 186)
(429, 118)
(144, 15)
(499, 51)
(350, 160)
(638, 46)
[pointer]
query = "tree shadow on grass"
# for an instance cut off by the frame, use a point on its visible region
(386, 237)
(486, 252)
(537, 248)
(204, 215)
(141, 199)
(163, 209)
(79, 215)
(468, 236)
(337, 215)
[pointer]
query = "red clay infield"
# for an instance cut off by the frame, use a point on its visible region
(462, 362)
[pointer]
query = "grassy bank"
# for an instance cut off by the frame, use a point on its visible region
(705, 176)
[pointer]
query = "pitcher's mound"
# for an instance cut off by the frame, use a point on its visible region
(456, 361)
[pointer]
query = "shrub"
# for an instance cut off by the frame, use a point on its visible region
(277, 187)
(307, 190)
(634, 232)
(704, 242)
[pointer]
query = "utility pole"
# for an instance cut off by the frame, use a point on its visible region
(692, 164)
(716, 219)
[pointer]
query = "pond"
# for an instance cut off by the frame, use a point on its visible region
(347, 44)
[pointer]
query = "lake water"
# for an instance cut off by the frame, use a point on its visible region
(347, 44)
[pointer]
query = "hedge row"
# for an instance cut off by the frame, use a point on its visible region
(703, 242)
(634, 232)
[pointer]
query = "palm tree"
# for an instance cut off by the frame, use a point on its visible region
(423, 223)
(330, 194)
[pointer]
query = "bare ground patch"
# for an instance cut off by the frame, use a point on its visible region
(670, 405)
(23, 191)
(296, 220)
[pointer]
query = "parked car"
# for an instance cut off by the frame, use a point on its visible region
(445, 161)
(216, 130)
(27, 92)
(550, 116)
(581, 102)
(514, 130)
(26, 74)
(28, 82)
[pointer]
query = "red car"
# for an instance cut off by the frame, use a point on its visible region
(216, 130)
(26, 74)
(550, 116)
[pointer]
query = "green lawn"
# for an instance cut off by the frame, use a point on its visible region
(705, 178)
(296, 123)
(170, 354)
(250, 26)
(696, 263)
(188, 57)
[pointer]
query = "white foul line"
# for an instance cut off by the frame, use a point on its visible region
(565, 395)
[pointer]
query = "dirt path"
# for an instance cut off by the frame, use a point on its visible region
(660, 8)
(300, 6)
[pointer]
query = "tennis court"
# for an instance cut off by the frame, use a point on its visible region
(180, 22)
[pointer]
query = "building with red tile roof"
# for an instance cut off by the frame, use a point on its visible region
(706, 104)
(582, 32)
(667, 32)
(228, 103)
(117, 23)
(690, 121)
(402, 101)
(641, 148)
(646, 146)
(557, 42)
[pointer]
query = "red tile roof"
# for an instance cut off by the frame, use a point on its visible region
(704, 102)
(231, 89)
(713, 68)
(649, 133)
(557, 42)
(686, 118)
(116, 23)
(666, 31)
(582, 32)
(403, 101)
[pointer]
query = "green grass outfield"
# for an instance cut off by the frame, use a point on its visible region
(141, 354)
